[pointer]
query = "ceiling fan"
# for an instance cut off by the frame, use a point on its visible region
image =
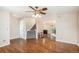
(38, 10)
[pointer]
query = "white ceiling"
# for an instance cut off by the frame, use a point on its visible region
(17, 10)
(20, 10)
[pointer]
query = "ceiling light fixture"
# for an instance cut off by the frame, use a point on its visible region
(37, 15)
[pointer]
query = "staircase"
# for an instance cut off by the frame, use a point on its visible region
(34, 27)
(31, 33)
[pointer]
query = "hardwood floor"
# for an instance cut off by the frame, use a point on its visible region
(43, 45)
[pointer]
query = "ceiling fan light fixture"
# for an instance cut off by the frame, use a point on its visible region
(37, 15)
(40, 16)
(33, 15)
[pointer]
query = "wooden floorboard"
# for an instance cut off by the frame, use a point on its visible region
(42, 45)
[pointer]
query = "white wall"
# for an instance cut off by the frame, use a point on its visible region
(78, 28)
(40, 25)
(66, 28)
(23, 33)
(14, 27)
(4, 29)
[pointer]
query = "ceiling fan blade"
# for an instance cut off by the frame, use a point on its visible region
(44, 9)
(32, 8)
(29, 11)
(42, 13)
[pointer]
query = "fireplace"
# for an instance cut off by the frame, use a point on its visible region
(45, 32)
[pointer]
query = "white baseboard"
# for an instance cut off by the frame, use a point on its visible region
(67, 42)
(17, 38)
(5, 43)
